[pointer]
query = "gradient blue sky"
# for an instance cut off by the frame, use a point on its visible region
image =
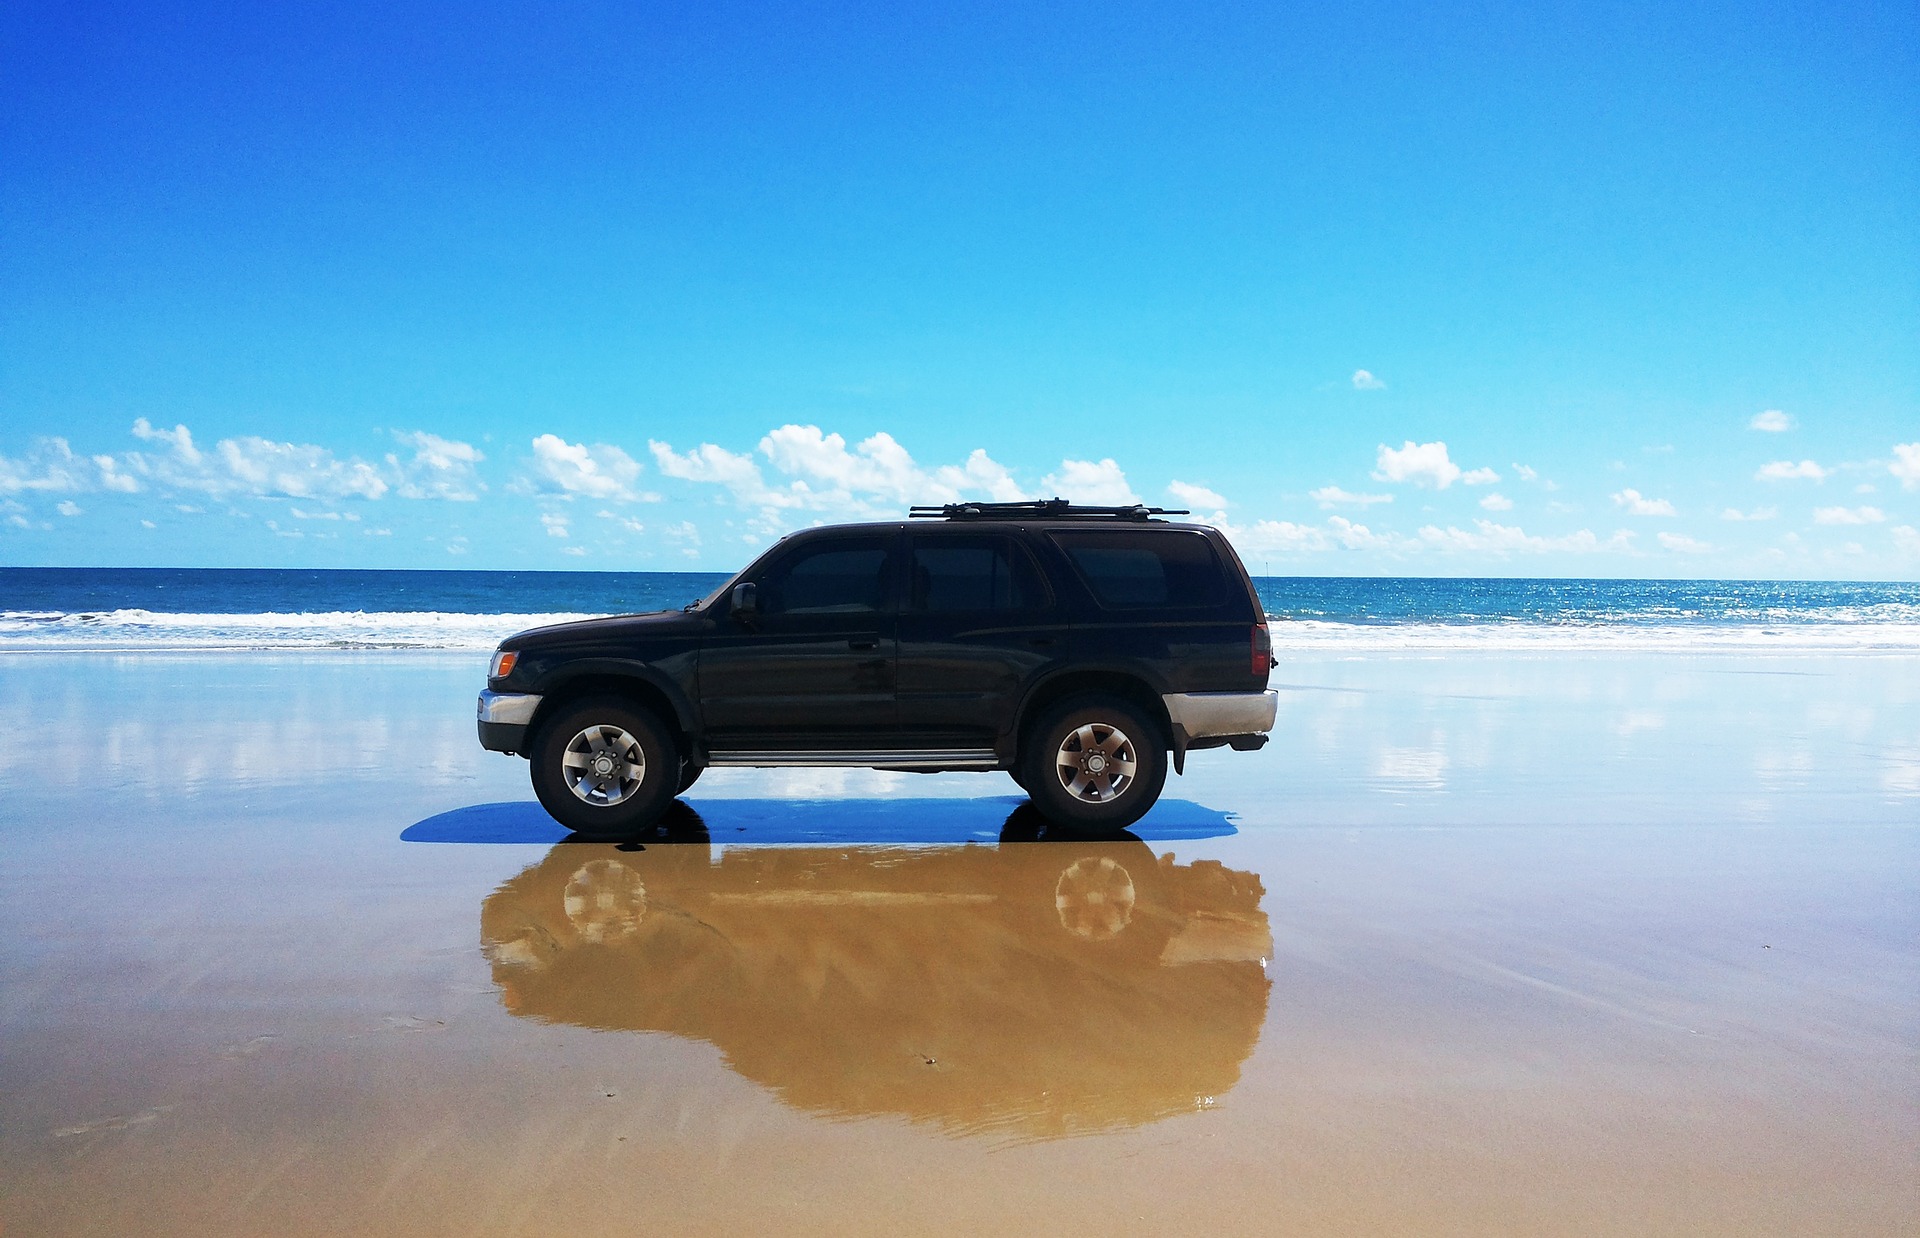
(1512, 289)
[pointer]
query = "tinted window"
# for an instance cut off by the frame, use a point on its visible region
(1137, 570)
(827, 580)
(975, 574)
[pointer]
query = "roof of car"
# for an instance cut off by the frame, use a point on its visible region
(976, 526)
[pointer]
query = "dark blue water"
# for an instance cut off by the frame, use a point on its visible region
(227, 591)
(1354, 600)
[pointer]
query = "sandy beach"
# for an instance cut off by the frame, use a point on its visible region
(1561, 942)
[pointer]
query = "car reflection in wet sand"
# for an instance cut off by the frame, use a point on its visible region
(1028, 990)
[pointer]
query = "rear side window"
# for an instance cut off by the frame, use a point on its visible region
(972, 574)
(1134, 571)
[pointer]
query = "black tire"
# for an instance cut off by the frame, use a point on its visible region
(644, 775)
(689, 774)
(1097, 801)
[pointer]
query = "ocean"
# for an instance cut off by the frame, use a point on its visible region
(136, 609)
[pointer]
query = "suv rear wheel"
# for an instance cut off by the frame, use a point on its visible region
(604, 768)
(1094, 764)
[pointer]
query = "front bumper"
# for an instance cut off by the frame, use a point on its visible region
(503, 720)
(1219, 719)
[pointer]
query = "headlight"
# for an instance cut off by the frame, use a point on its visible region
(503, 662)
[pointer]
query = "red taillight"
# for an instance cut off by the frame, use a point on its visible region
(1262, 650)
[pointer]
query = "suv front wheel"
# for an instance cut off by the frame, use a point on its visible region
(1094, 764)
(604, 768)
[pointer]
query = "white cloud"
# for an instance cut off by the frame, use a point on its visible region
(600, 471)
(1773, 421)
(49, 465)
(1848, 515)
(1333, 496)
(715, 465)
(1270, 537)
(253, 466)
(1360, 537)
(1758, 513)
(876, 476)
(1099, 482)
(1638, 504)
(297, 470)
(982, 473)
(879, 468)
(440, 468)
(1787, 470)
(1906, 465)
(67, 507)
(1426, 464)
(1525, 473)
(1680, 543)
(1365, 381)
(555, 524)
(1906, 539)
(879, 465)
(1497, 503)
(111, 478)
(179, 438)
(1489, 537)
(626, 522)
(1197, 497)
(573, 550)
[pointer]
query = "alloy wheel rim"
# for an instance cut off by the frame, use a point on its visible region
(1096, 763)
(604, 765)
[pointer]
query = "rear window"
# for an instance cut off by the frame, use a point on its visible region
(1133, 571)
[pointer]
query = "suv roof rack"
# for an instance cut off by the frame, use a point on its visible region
(1042, 509)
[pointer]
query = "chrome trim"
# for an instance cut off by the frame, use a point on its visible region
(508, 708)
(891, 758)
(1201, 714)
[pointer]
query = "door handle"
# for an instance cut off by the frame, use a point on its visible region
(863, 642)
(1040, 642)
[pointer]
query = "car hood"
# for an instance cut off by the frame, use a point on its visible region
(613, 627)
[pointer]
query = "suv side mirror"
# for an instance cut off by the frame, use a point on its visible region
(746, 600)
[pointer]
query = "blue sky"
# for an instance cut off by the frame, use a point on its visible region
(1505, 289)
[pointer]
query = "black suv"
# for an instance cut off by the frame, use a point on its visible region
(1077, 648)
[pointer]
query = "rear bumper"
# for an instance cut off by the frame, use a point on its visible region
(503, 720)
(1198, 716)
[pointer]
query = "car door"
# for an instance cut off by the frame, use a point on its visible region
(976, 625)
(814, 668)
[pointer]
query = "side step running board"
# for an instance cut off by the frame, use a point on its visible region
(890, 758)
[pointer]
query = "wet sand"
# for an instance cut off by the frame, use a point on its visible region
(1480, 944)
